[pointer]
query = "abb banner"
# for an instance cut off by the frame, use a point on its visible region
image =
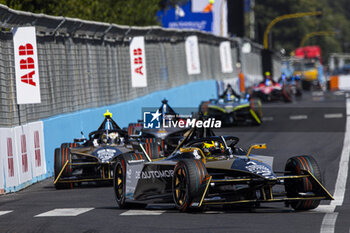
(2, 178)
(192, 55)
(36, 148)
(26, 65)
(22, 155)
(8, 157)
(138, 62)
(225, 57)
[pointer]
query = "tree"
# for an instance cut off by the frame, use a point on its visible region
(124, 12)
(288, 34)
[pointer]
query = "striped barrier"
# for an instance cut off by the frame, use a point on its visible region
(339, 82)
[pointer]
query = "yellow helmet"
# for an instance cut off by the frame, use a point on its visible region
(208, 148)
(267, 73)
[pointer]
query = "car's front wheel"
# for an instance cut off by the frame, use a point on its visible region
(119, 182)
(294, 166)
(189, 182)
(62, 155)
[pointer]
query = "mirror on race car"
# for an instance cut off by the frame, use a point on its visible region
(256, 146)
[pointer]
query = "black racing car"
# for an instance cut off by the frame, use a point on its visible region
(159, 141)
(90, 159)
(232, 109)
(211, 170)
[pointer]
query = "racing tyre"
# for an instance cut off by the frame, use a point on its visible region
(294, 166)
(62, 155)
(189, 182)
(286, 95)
(203, 107)
(119, 182)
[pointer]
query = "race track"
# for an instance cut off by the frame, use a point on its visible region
(314, 125)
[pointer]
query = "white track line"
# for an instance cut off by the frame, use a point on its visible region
(298, 117)
(338, 93)
(267, 118)
(317, 93)
(5, 212)
(340, 185)
(328, 223)
(333, 115)
(142, 212)
(64, 212)
(329, 220)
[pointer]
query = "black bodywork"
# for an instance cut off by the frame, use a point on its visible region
(92, 158)
(161, 141)
(232, 109)
(224, 175)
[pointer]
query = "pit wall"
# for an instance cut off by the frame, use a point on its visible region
(64, 128)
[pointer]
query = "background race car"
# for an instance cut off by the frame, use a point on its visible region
(212, 170)
(292, 85)
(90, 159)
(270, 90)
(232, 109)
(160, 140)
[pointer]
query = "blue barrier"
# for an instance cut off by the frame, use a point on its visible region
(66, 127)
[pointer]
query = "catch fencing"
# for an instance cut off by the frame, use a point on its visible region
(86, 64)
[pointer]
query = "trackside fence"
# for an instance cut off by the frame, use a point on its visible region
(85, 65)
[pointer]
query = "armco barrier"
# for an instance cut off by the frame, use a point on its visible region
(64, 128)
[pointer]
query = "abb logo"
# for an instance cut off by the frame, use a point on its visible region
(11, 170)
(138, 61)
(37, 149)
(27, 63)
(24, 153)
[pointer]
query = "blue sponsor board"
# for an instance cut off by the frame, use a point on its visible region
(184, 18)
(152, 120)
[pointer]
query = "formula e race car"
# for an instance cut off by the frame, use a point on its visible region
(292, 85)
(159, 140)
(90, 159)
(270, 90)
(212, 170)
(231, 109)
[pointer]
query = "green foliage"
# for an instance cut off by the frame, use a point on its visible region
(288, 34)
(123, 12)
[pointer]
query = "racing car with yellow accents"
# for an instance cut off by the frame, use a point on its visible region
(209, 170)
(90, 159)
(232, 109)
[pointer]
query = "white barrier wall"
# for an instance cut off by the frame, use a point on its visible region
(344, 82)
(2, 178)
(22, 156)
(9, 158)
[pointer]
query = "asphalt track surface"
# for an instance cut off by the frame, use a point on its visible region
(314, 125)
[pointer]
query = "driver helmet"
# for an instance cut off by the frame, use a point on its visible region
(110, 138)
(210, 148)
(114, 137)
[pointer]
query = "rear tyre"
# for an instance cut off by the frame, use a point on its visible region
(286, 95)
(294, 166)
(189, 182)
(119, 183)
(62, 155)
(203, 107)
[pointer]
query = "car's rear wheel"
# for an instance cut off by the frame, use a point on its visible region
(189, 182)
(294, 166)
(62, 155)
